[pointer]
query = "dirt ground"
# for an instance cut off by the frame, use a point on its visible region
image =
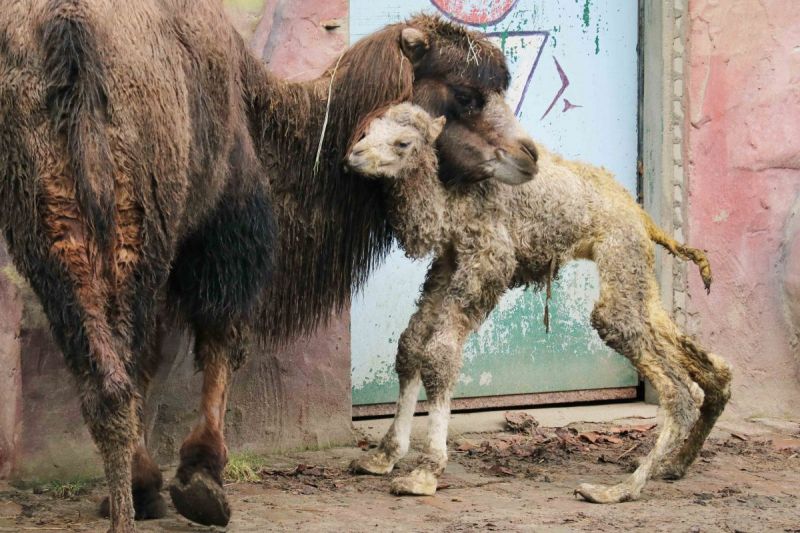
(520, 479)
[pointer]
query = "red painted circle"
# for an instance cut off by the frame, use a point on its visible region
(475, 12)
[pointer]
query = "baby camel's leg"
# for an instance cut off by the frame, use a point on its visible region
(460, 313)
(629, 318)
(394, 445)
(713, 374)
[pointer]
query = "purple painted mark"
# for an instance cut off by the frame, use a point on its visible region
(546, 34)
(569, 105)
(564, 85)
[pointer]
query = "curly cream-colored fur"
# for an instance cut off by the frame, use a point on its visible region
(488, 237)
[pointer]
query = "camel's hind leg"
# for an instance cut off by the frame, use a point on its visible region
(395, 444)
(147, 480)
(629, 318)
(75, 299)
(713, 374)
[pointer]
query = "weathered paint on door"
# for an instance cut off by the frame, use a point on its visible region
(574, 85)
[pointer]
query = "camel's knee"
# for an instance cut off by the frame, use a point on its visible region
(718, 384)
(713, 373)
(410, 349)
(442, 363)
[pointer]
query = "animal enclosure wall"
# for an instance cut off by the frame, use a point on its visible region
(574, 68)
(741, 136)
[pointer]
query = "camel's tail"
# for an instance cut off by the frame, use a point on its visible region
(677, 249)
(77, 100)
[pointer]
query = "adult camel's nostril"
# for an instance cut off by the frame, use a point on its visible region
(529, 148)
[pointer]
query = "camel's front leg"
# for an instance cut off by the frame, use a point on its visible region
(197, 490)
(471, 295)
(422, 481)
(395, 444)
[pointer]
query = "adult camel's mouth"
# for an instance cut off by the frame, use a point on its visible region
(512, 169)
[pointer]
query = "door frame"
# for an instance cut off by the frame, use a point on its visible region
(662, 180)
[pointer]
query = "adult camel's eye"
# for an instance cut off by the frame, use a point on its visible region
(464, 99)
(468, 99)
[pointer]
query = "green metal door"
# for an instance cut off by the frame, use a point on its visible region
(574, 85)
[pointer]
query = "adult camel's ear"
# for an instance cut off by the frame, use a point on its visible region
(435, 129)
(414, 43)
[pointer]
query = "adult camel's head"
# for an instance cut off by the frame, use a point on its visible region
(460, 75)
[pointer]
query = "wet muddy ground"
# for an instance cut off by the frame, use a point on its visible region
(520, 479)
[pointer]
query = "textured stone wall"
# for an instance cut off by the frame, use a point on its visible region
(742, 160)
(10, 372)
(297, 398)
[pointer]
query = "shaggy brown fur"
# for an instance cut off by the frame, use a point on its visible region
(137, 150)
(489, 237)
(124, 134)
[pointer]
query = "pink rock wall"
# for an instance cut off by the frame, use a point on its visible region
(742, 136)
(10, 372)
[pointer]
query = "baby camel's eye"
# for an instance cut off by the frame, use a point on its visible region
(402, 144)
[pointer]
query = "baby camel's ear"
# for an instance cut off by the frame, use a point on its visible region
(435, 129)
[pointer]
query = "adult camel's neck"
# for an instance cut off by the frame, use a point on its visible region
(333, 225)
(286, 121)
(417, 207)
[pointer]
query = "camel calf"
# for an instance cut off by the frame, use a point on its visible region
(488, 237)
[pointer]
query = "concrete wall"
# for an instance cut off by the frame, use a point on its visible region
(742, 151)
(297, 398)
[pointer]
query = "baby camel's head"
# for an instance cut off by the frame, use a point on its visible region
(395, 142)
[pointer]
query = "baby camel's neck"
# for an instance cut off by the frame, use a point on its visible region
(417, 207)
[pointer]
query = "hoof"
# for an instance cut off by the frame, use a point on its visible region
(376, 464)
(105, 508)
(669, 470)
(201, 500)
(603, 494)
(148, 505)
(420, 482)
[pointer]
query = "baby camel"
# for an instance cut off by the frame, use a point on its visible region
(488, 237)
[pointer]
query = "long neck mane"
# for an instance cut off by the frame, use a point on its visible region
(333, 225)
(417, 202)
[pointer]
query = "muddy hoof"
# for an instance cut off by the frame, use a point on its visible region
(420, 482)
(148, 505)
(603, 494)
(201, 500)
(670, 471)
(105, 508)
(377, 464)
